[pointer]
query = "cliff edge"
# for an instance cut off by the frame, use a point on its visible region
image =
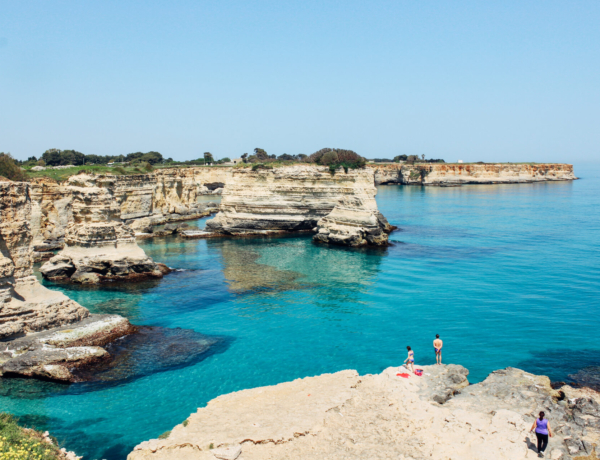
(348, 416)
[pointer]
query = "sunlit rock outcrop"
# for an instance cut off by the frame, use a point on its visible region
(354, 222)
(98, 245)
(296, 198)
(25, 305)
(45, 334)
(394, 414)
(165, 195)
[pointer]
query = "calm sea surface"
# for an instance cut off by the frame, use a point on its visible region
(508, 275)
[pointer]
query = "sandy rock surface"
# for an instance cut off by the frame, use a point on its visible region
(386, 416)
(53, 353)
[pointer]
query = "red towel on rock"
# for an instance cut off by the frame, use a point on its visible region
(403, 375)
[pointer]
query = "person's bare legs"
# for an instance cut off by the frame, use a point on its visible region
(438, 357)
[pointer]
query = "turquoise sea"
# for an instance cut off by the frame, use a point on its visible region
(508, 275)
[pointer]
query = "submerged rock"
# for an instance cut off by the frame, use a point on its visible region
(147, 351)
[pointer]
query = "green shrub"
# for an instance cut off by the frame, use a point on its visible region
(186, 422)
(258, 166)
(165, 435)
(336, 158)
(120, 170)
(329, 158)
(10, 169)
(18, 443)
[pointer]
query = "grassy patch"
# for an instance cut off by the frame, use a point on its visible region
(61, 175)
(165, 435)
(18, 443)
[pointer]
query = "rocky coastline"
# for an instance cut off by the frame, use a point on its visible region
(43, 333)
(443, 174)
(171, 195)
(98, 246)
(139, 201)
(394, 414)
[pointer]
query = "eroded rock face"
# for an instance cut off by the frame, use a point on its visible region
(44, 333)
(296, 198)
(98, 245)
(347, 416)
(457, 173)
(166, 195)
(25, 305)
(51, 213)
(354, 222)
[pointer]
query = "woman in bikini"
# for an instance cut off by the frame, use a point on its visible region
(410, 361)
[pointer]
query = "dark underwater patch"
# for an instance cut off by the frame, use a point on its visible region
(571, 367)
(151, 350)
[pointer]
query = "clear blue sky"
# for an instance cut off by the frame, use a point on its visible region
(491, 81)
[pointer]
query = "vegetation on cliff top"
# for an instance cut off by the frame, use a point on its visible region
(18, 443)
(9, 168)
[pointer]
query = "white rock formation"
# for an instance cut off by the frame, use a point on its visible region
(44, 333)
(98, 245)
(25, 305)
(296, 198)
(385, 416)
(166, 195)
(354, 223)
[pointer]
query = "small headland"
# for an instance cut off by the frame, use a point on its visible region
(394, 414)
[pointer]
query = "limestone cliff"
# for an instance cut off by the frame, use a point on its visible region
(354, 222)
(25, 305)
(166, 195)
(347, 416)
(44, 333)
(459, 173)
(51, 213)
(296, 198)
(98, 245)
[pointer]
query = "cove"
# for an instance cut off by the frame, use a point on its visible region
(508, 275)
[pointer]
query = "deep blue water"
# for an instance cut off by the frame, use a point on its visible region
(508, 275)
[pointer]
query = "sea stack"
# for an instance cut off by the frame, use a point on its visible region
(339, 204)
(98, 245)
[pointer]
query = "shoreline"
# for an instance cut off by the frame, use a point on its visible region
(345, 415)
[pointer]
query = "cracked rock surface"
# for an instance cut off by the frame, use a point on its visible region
(385, 416)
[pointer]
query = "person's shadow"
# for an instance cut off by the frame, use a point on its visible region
(531, 445)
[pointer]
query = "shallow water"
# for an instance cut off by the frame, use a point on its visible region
(508, 275)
